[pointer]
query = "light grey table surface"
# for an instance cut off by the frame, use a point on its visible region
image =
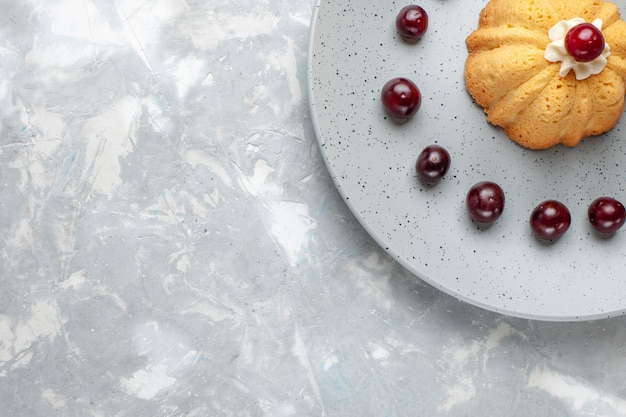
(172, 243)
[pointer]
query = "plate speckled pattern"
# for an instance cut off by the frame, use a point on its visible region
(353, 51)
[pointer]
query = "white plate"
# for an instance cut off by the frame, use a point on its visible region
(353, 51)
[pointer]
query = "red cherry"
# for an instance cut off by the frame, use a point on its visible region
(584, 42)
(550, 219)
(485, 202)
(606, 214)
(412, 22)
(432, 163)
(401, 98)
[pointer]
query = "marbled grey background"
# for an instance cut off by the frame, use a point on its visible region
(172, 244)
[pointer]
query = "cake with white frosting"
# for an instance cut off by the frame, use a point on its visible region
(549, 71)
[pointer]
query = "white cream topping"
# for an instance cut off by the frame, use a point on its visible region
(557, 52)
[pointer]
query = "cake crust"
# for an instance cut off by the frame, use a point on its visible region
(520, 91)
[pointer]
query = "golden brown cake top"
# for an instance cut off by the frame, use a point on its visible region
(508, 74)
